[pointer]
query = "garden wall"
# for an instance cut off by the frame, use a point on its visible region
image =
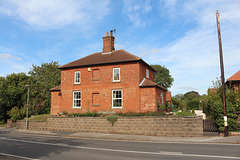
(155, 126)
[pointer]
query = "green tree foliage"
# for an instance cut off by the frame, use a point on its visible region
(215, 106)
(190, 101)
(43, 78)
(162, 76)
(12, 93)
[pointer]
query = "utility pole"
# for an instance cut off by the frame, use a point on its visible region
(27, 107)
(222, 76)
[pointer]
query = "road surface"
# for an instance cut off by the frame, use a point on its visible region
(15, 146)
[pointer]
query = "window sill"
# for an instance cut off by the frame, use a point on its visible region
(77, 107)
(76, 84)
(96, 105)
(116, 81)
(117, 107)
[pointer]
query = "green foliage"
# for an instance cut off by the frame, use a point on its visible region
(185, 113)
(17, 114)
(13, 91)
(129, 114)
(215, 106)
(43, 78)
(64, 112)
(42, 117)
(162, 76)
(112, 119)
(87, 114)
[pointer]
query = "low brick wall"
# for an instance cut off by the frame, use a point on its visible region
(155, 126)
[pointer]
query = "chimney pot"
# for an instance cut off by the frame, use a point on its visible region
(111, 32)
(106, 33)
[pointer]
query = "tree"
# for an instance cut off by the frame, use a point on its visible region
(12, 93)
(215, 106)
(162, 76)
(43, 78)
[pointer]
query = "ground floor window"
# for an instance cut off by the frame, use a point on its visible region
(77, 99)
(117, 98)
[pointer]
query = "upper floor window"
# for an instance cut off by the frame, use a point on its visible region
(147, 73)
(116, 74)
(77, 77)
(77, 99)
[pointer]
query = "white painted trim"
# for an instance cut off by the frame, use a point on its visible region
(147, 73)
(119, 75)
(75, 77)
(142, 82)
(118, 98)
(77, 99)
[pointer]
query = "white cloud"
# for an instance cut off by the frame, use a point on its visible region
(55, 13)
(193, 60)
(135, 9)
(4, 56)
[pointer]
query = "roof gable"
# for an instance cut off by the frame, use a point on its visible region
(235, 77)
(103, 58)
(148, 83)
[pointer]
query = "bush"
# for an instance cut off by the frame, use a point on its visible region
(87, 114)
(185, 113)
(142, 114)
(112, 119)
(17, 114)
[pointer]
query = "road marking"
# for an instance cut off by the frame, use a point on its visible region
(11, 155)
(124, 151)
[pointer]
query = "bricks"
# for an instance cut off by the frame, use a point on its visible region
(159, 126)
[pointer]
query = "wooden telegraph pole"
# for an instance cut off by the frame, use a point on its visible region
(222, 75)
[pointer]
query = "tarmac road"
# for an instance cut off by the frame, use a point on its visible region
(29, 146)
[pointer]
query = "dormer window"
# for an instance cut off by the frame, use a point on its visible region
(116, 74)
(77, 77)
(147, 73)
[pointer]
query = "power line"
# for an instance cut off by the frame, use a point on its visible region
(230, 22)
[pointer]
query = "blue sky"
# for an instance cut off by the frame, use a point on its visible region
(179, 34)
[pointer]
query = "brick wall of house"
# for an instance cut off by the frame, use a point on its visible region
(148, 99)
(142, 72)
(129, 83)
(155, 126)
(56, 102)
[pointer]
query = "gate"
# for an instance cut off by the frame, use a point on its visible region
(210, 125)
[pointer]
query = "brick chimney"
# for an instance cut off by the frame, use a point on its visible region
(108, 43)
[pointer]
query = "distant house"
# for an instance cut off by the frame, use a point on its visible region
(234, 81)
(111, 80)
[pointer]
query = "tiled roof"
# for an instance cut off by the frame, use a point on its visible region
(58, 88)
(103, 58)
(235, 77)
(148, 83)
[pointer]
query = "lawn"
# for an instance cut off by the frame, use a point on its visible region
(42, 117)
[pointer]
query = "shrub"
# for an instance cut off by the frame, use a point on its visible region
(185, 113)
(87, 114)
(17, 114)
(142, 114)
(64, 112)
(112, 119)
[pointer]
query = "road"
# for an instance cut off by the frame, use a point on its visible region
(15, 146)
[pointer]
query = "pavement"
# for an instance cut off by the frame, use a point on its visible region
(157, 139)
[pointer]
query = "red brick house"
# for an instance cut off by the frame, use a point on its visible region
(234, 81)
(111, 80)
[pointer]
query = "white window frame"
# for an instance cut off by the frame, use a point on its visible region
(147, 73)
(113, 74)
(75, 77)
(77, 99)
(161, 95)
(117, 98)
